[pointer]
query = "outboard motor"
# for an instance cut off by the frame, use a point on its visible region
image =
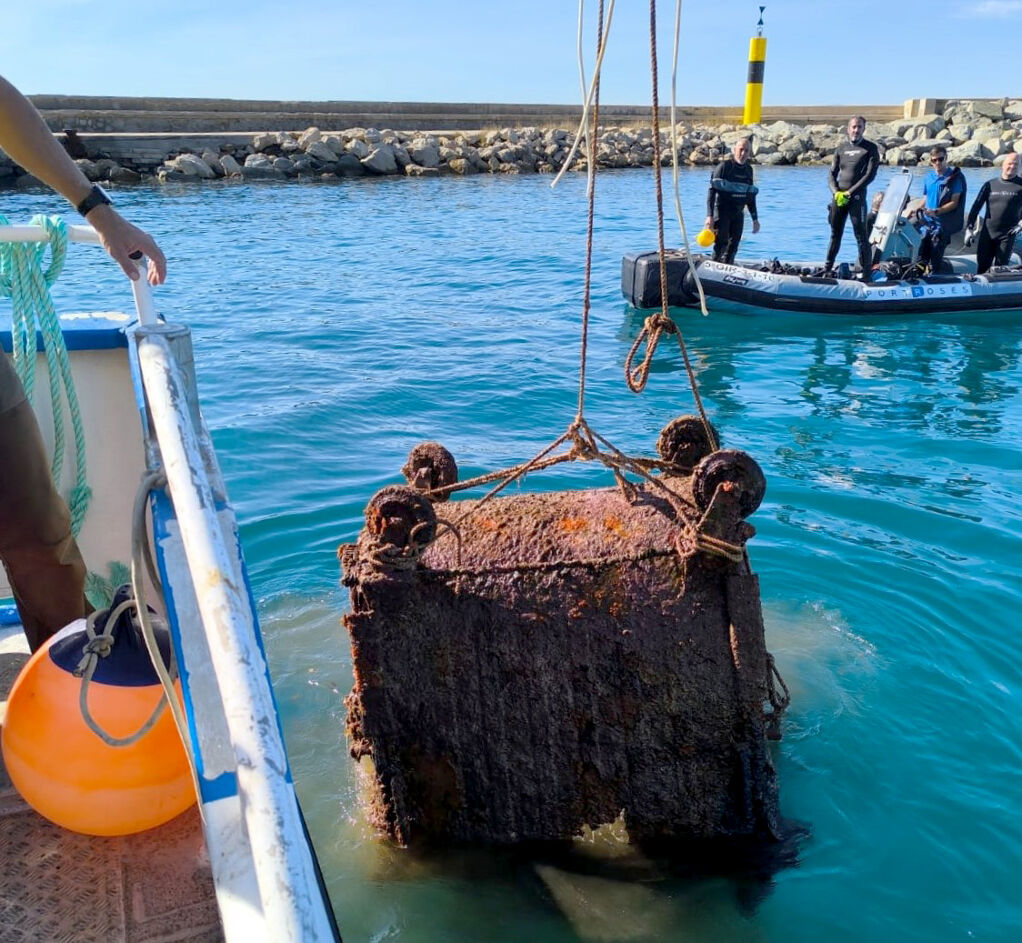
(640, 278)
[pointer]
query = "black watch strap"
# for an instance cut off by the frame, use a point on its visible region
(95, 198)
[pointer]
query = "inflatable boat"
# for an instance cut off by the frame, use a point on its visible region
(894, 285)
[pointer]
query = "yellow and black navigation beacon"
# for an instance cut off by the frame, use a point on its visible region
(754, 84)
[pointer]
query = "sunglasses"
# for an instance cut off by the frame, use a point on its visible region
(937, 160)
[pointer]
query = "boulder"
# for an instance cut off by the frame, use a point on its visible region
(213, 160)
(262, 141)
(192, 166)
(416, 170)
(266, 172)
(381, 160)
(309, 136)
(169, 175)
(120, 174)
(359, 148)
(103, 166)
(321, 151)
(88, 168)
(991, 147)
(230, 166)
(986, 109)
(462, 166)
(969, 154)
(348, 165)
(424, 153)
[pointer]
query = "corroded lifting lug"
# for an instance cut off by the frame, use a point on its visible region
(684, 442)
(400, 524)
(737, 470)
(428, 466)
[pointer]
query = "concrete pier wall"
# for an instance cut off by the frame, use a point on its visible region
(86, 113)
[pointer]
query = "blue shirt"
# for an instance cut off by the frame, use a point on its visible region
(932, 183)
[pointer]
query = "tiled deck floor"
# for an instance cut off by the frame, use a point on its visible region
(56, 886)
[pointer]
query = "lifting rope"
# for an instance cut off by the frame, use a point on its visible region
(580, 441)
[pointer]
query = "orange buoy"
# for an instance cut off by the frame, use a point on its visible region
(66, 771)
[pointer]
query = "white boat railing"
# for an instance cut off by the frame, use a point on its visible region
(265, 873)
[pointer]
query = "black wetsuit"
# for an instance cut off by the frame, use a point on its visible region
(731, 190)
(1003, 199)
(852, 170)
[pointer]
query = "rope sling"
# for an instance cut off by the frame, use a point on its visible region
(27, 284)
(582, 442)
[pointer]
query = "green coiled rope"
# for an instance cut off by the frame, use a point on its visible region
(24, 280)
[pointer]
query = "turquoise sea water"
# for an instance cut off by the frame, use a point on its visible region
(338, 325)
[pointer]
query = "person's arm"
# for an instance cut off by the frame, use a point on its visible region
(751, 202)
(25, 137)
(751, 199)
(977, 205)
(835, 164)
(711, 195)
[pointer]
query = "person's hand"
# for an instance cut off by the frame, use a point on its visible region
(970, 237)
(755, 226)
(121, 239)
(841, 198)
(709, 223)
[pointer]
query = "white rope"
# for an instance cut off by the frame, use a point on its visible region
(674, 161)
(587, 103)
(140, 554)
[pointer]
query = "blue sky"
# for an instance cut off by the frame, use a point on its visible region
(853, 52)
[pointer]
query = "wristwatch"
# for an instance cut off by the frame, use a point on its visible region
(96, 197)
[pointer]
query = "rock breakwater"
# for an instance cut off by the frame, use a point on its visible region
(976, 133)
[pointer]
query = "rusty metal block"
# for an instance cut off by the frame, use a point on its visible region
(561, 658)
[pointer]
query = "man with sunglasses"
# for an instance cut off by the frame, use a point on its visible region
(943, 210)
(853, 168)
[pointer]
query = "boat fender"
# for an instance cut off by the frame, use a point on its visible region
(62, 767)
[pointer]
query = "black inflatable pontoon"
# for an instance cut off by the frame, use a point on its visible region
(792, 287)
(892, 287)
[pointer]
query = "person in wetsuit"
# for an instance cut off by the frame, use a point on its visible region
(944, 190)
(731, 191)
(1003, 199)
(852, 170)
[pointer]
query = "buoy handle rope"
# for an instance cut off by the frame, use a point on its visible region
(99, 645)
